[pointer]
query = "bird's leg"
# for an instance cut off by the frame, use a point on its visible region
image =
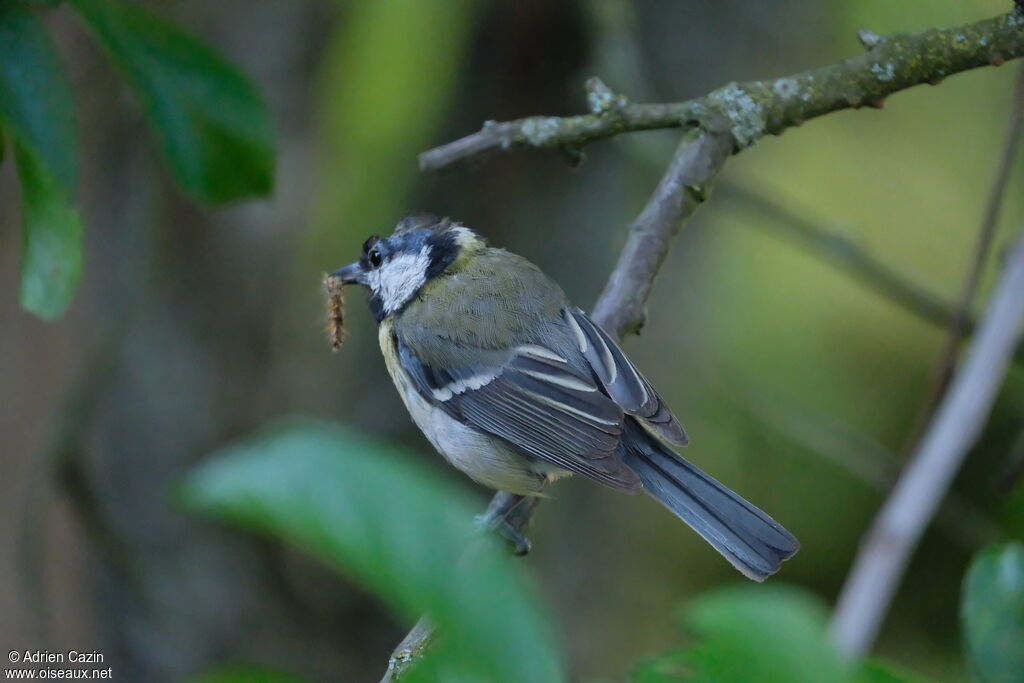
(508, 514)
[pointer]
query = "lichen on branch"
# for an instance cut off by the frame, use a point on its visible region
(754, 109)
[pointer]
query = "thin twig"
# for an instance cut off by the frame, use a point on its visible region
(961, 321)
(853, 259)
(758, 108)
(887, 547)
(860, 455)
(620, 308)
(847, 255)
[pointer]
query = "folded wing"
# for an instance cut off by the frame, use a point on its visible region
(623, 382)
(536, 401)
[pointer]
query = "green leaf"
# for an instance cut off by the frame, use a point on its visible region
(879, 671)
(674, 666)
(35, 98)
(51, 260)
(396, 528)
(992, 613)
(245, 673)
(212, 125)
(763, 633)
(37, 111)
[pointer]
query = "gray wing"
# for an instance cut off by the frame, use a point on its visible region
(539, 402)
(623, 382)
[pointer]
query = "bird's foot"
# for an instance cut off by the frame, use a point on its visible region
(497, 523)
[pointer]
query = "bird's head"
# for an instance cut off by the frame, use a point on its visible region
(395, 268)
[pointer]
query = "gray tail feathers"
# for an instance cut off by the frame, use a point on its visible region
(751, 540)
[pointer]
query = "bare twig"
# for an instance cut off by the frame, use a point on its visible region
(958, 422)
(960, 323)
(861, 456)
(847, 255)
(620, 310)
(767, 107)
(409, 650)
(853, 259)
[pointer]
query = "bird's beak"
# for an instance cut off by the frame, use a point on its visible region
(352, 274)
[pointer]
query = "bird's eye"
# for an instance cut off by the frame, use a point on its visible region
(375, 258)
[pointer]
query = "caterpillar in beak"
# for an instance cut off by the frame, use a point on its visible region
(335, 311)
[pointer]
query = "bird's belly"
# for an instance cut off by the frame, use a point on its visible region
(486, 459)
(483, 457)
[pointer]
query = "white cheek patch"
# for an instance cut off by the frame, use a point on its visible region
(400, 278)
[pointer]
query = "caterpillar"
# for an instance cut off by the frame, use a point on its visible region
(335, 311)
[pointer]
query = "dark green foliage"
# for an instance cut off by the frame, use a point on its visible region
(35, 97)
(876, 671)
(213, 127)
(37, 111)
(762, 633)
(51, 259)
(992, 612)
(403, 533)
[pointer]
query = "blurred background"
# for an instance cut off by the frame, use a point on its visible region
(798, 384)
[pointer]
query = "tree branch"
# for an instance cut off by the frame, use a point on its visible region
(887, 547)
(620, 310)
(766, 107)
(722, 122)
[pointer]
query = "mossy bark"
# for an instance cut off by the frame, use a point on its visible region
(765, 107)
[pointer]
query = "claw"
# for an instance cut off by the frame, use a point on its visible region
(497, 523)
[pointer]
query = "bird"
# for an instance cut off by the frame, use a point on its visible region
(517, 388)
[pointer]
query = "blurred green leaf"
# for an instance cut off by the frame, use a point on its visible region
(878, 671)
(763, 634)
(395, 527)
(992, 613)
(51, 260)
(774, 634)
(35, 98)
(212, 125)
(674, 666)
(245, 674)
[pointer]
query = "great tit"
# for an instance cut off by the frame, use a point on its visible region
(516, 387)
